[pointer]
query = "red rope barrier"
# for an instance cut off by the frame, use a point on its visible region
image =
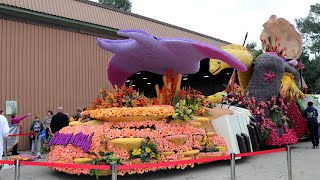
(82, 166)
(260, 152)
(138, 166)
(6, 162)
(173, 163)
(25, 134)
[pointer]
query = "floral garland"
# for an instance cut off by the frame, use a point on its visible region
(158, 110)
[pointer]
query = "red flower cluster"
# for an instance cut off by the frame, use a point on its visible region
(289, 137)
(236, 95)
(273, 46)
(122, 97)
(298, 121)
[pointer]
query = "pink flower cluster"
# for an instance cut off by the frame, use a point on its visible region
(158, 131)
(66, 154)
(289, 137)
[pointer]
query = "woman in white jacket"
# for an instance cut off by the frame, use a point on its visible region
(4, 131)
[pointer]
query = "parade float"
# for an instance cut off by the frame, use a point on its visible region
(125, 127)
(128, 128)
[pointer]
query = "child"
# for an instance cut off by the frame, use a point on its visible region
(37, 127)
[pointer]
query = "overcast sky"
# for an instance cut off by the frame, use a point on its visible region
(228, 20)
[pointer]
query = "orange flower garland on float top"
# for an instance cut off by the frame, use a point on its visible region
(109, 114)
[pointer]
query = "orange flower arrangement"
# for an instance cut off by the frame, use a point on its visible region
(157, 131)
(158, 110)
(123, 97)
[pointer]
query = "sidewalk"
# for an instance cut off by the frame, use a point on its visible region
(262, 167)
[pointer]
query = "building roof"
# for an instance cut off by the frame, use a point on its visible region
(97, 14)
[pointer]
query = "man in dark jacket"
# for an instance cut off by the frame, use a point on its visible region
(59, 121)
(311, 115)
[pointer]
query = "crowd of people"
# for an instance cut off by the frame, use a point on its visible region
(42, 128)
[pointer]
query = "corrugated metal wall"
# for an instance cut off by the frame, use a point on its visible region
(74, 9)
(43, 68)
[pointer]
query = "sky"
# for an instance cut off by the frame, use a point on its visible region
(228, 20)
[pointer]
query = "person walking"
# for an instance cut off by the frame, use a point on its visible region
(59, 121)
(17, 120)
(311, 115)
(36, 127)
(77, 116)
(47, 122)
(4, 131)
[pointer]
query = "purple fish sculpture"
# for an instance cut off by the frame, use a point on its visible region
(143, 52)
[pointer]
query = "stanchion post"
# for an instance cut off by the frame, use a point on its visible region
(16, 169)
(233, 165)
(114, 171)
(289, 163)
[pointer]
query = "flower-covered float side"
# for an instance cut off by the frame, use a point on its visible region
(128, 128)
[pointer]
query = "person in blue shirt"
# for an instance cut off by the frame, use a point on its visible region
(311, 114)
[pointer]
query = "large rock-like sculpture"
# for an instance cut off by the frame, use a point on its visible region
(266, 77)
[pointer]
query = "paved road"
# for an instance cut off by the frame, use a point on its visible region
(264, 167)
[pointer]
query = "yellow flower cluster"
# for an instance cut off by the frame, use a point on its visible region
(148, 150)
(129, 111)
(222, 148)
(136, 152)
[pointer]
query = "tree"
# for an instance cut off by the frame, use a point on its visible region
(311, 73)
(120, 4)
(310, 29)
(252, 46)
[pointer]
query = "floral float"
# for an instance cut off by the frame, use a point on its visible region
(125, 127)
(128, 128)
